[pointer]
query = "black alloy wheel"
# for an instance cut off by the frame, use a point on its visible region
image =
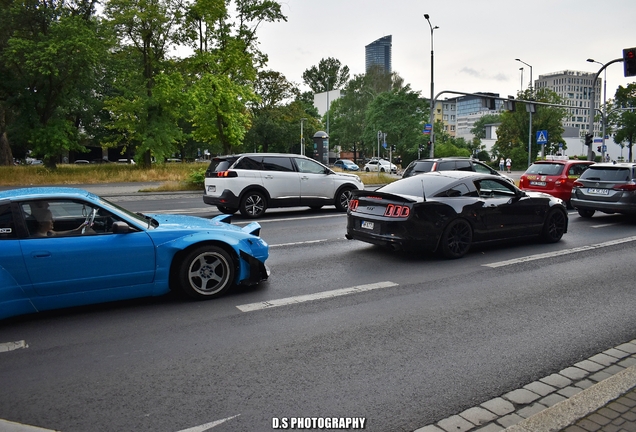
(554, 226)
(456, 239)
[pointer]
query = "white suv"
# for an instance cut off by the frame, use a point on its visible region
(253, 182)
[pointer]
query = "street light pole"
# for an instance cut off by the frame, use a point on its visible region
(432, 113)
(530, 112)
(302, 140)
(521, 85)
(604, 107)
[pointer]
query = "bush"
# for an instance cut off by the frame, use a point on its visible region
(196, 178)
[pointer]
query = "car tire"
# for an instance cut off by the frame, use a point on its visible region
(342, 199)
(554, 226)
(366, 169)
(226, 210)
(456, 239)
(206, 272)
(585, 213)
(381, 169)
(253, 205)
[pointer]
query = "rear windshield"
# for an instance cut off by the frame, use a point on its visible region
(551, 169)
(218, 165)
(418, 167)
(418, 186)
(610, 174)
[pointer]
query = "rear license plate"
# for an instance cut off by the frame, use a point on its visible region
(593, 191)
(211, 188)
(366, 225)
(537, 183)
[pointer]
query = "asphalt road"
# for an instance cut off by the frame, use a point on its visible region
(420, 339)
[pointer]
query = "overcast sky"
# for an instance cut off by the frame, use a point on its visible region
(475, 46)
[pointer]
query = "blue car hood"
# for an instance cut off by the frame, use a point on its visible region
(182, 222)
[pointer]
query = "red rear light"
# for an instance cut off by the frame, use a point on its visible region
(398, 211)
(628, 187)
(353, 205)
(227, 174)
(561, 181)
(577, 184)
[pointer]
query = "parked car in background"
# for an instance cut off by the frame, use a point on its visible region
(346, 165)
(253, 182)
(126, 161)
(64, 247)
(606, 187)
(448, 211)
(81, 161)
(450, 164)
(554, 176)
(382, 165)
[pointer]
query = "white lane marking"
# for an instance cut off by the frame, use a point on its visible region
(207, 426)
(10, 426)
(603, 225)
(10, 346)
(561, 252)
(311, 297)
(299, 243)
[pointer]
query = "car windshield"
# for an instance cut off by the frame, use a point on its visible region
(610, 174)
(551, 169)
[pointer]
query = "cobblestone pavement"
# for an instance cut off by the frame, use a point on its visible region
(596, 394)
(616, 416)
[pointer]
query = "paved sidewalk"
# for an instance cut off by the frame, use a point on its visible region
(596, 394)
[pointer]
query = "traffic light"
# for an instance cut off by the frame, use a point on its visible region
(393, 148)
(588, 139)
(629, 61)
(421, 146)
(509, 105)
(598, 149)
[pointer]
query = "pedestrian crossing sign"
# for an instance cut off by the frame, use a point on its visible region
(542, 137)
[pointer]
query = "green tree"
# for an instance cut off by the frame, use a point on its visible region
(330, 74)
(147, 108)
(223, 70)
(625, 123)
(479, 132)
(513, 132)
(51, 55)
(399, 114)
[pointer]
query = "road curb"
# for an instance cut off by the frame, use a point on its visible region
(567, 412)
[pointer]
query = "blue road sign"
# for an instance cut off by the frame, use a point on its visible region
(542, 137)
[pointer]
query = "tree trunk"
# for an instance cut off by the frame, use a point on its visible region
(6, 157)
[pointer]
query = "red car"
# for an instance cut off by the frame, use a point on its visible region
(555, 176)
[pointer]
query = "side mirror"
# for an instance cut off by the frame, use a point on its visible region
(120, 228)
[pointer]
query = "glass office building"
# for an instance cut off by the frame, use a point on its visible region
(378, 53)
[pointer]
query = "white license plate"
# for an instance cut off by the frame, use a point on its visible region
(366, 225)
(537, 183)
(593, 191)
(211, 188)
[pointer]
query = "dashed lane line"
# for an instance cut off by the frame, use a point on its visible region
(560, 252)
(251, 307)
(10, 346)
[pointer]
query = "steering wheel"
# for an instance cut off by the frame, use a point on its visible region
(89, 220)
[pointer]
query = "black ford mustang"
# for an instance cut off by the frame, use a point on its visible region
(448, 211)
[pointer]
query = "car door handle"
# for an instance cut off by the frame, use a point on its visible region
(269, 176)
(41, 254)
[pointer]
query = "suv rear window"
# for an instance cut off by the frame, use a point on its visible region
(418, 167)
(551, 169)
(219, 164)
(609, 174)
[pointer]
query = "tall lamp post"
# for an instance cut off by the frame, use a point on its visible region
(302, 139)
(529, 108)
(432, 113)
(604, 106)
(521, 85)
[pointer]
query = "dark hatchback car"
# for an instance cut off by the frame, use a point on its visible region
(449, 211)
(450, 164)
(606, 187)
(555, 177)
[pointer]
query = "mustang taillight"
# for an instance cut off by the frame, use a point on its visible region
(227, 174)
(398, 211)
(628, 187)
(353, 205)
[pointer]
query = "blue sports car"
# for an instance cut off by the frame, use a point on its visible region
(63, 247)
